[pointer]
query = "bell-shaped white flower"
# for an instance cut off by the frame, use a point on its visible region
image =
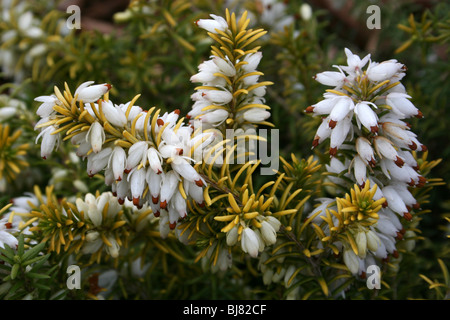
(401, 105)
(88, 93)
(366, 116)
(351, 261)
(384, 70)
(331, 78)
(211, 25)
(46, 108)
(168, 188)
(49, 141)
(250, 242)
(114, 114)
(117, 162)
(342, 108)
(96, 136)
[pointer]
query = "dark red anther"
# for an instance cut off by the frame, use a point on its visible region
(163, 205)
(372, 163)
(157, 214)
(422, 182)
(333, 151)
(363, 275)
(315, 142)
(411, 183)
(155, 200)
(202, 205)
(385, 204)
(399, 162)
(419, 114)
(416, 206)
(172, 225)
(332, 124)
(374, 129)
(407, 216)
(108, 86)
(309, 109)
(395, 254)
(127, 171)
(120, 200)
(399, 236)
(160, 122)
(8, 225)
(424, 148)
(177, 111)
(136, 201)
(199, 182)
(413, 145)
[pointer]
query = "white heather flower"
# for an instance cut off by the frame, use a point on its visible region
(88, 93)
(154, 181)
(269, 229)
(117, 162)
(137, 154)
(340, 110)
(114, 114)
(96, 136)
(218, 97)
(211, 25)
(331, 78)
(365, 151)
(168, 188)
(96, 162)
(384, 70)
(155, 160)
(305, 11)
(395, 202)
(6, 228)
(232, 236)
(351, 261)
(339, 133)
(46, 108)
(385, 148)
(401, 105)
(361, 243)
(324, 106)
(253, 60)
(214, 117)
(224, 66)
(360, 170)
(256, 115)
(354, 62)
(49, 141)
(137, 184)
(250, 242)
(184, 169)
(373, 240)
(366, 116)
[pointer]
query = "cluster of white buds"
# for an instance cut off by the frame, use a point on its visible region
(364, 114)
(147, 158)
(230, 90)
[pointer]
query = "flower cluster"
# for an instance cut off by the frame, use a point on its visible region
(230, 90)
(21, 35)
(371, 144)
(146, 158)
